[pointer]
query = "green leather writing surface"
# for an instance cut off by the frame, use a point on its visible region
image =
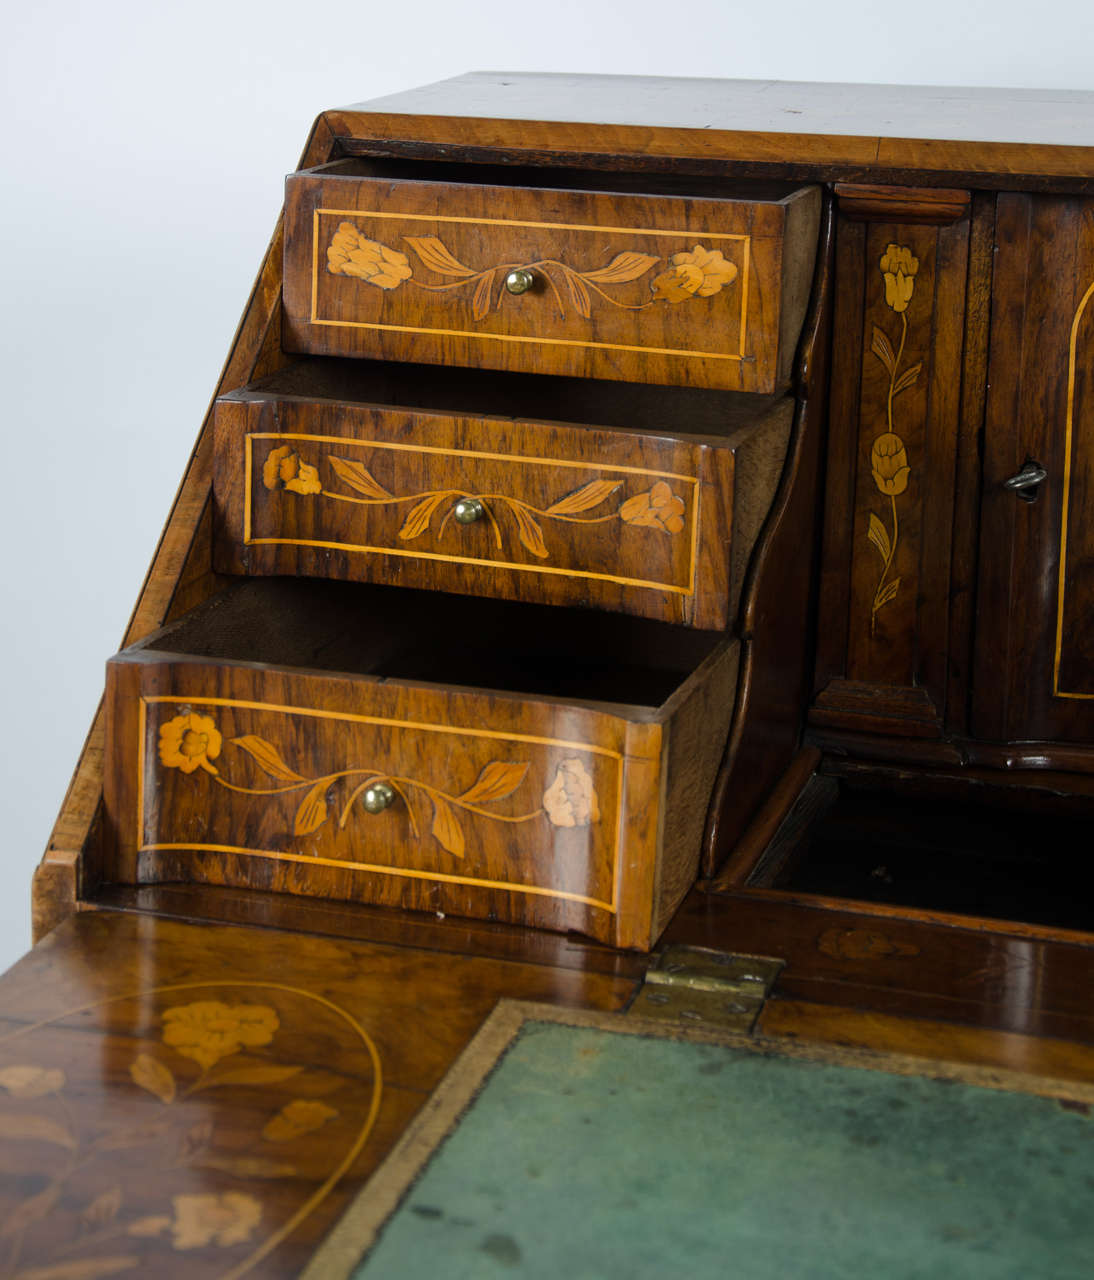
(591, 1155)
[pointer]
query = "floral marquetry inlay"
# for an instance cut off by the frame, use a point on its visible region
(698, 272)
(332, 798)
(888, 454)
(658, 507)
(204, 1148)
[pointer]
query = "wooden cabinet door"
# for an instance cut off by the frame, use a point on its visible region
(1034, 673)
(895, 427)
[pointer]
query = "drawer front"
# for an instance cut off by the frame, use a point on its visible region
(709, 293)
(551, 514)
(499, 808)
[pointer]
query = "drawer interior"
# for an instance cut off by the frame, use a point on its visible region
(411, 636)
(679, 412)
(559, 179)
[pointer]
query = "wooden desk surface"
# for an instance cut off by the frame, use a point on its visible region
(1006, 137)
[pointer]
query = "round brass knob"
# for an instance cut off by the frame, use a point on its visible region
(468, 510)
(377, 797)
(520, 280)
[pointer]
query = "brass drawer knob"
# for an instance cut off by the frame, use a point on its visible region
(378, 797)
(468, 510)
(520, 280)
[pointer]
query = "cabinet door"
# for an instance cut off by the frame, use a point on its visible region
(883, 652)
(1035, 614)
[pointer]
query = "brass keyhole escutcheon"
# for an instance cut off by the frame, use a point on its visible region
(378, 797)
(468, 510)
(520, 280)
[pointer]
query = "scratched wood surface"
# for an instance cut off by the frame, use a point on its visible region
(707, 293)
(1009, 139)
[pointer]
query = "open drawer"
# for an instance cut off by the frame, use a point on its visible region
(521, 763)
(692, 282)
(547, 490)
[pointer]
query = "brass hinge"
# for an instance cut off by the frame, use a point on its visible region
(697, 986)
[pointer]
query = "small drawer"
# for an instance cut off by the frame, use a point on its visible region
(699, 289)
(334, 469)
(519, 763)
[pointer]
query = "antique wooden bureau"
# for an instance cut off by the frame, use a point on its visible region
(633, 514)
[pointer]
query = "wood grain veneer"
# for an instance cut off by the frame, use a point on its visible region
(567, 790)
(642, 522)
(665, 289)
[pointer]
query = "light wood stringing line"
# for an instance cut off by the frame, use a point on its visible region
(406, 872)
(1068, 432)
(413, 554)
(512, 337)
(355, 1150)
(143, 745)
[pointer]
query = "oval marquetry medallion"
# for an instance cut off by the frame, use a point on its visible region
(184, 1129)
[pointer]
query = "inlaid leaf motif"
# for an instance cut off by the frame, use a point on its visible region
(358, 477)
(906, 379)
(579, 295)
(259, 1073)
(120, 1139)
(583, 499)
(80, 1269)
(266, 757)
(446, 829)
(36, 1128)
(26, 1081)
(883, 349)
(436, 257)
(303, 1115)
(879, 536)
(30, 1211)
(153, 1076)
(622, 268)
(313, 810)
(888, 592)
(528, 530)
(102, 1209)
(419, 516)
(480, 300)
(497, 780)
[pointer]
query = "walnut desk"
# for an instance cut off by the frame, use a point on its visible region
(633, 513)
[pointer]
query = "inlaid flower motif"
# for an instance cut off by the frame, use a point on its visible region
(190, 742)
(889, 463)
(296, 1118)
(899, 266)
(225, 1219)
(208, 1030)
(31, 1082)
(352, 254)
(658, 508)
(697, 272)
(570, 800)
(283, 466)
